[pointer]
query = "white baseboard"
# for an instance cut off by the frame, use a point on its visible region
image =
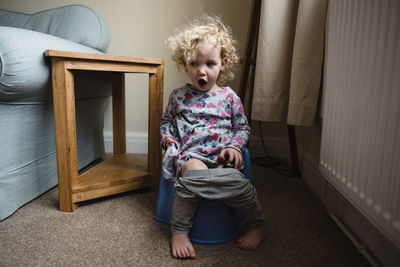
(136, 142)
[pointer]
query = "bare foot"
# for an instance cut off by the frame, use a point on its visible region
(181, 246)
(251, 239)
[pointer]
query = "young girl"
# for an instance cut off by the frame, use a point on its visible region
(204, 130)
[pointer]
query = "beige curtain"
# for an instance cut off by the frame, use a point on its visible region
(289, 61)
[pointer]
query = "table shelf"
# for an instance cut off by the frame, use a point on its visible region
(119, 172)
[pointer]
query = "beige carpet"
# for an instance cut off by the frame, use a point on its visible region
(121, 231)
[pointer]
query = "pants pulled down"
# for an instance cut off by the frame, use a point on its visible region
(228, 185)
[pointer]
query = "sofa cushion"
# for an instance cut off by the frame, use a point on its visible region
(24, 71)
(76, 23)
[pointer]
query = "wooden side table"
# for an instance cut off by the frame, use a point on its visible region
(119, 172)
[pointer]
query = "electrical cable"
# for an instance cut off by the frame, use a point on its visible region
(278, 165)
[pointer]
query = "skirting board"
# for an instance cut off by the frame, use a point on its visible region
(368, 238)
(136, 142)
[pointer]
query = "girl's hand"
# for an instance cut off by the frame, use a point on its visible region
(168, 142)
(231, 155)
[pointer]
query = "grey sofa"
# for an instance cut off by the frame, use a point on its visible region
(27, 146)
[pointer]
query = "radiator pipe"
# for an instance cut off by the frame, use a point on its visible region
(362, 248)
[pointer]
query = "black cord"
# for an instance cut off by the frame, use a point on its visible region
(278, 165)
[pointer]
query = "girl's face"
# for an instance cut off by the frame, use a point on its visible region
(204, 68)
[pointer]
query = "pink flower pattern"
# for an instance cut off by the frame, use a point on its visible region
(203, 124)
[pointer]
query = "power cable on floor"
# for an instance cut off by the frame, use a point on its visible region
(278, 165)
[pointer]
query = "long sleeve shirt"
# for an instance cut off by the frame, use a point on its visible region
(203, 124)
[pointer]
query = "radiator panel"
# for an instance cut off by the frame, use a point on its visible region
(360, 149)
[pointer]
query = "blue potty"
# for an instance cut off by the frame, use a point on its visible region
(214, 221)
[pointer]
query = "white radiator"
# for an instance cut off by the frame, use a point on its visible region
(360, 150)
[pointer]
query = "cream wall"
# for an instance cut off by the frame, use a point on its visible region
(139, 28)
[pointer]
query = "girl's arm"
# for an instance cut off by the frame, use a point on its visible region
(232, 153)
(240, 125)
(169, 132)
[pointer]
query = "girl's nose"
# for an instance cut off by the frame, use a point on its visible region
(201, 70)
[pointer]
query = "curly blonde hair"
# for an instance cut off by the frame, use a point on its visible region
(211, 28)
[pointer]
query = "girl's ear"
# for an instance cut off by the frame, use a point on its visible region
(224, 61)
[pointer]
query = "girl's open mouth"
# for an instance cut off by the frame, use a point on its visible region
(202, 82)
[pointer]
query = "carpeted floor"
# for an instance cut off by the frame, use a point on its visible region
(121, 231)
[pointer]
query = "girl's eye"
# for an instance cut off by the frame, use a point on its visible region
(210, 64)
(193, 64)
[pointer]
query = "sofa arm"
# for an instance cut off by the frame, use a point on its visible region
(76, 23)
(24, 71)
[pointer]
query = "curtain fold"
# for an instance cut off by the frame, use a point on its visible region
(289, 61)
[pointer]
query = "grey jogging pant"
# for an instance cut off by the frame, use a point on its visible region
(224, 184)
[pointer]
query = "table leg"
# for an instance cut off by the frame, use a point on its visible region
(65, 131)
(118, 113)
(155, 111)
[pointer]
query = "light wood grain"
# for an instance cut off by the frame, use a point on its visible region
(155, 112)
(121, 172)
(102, 57)
(111, 190)
(116, 174)
(79, 64)
(65, 132)
(115, 169)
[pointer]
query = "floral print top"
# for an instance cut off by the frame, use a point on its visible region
(203, 123)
